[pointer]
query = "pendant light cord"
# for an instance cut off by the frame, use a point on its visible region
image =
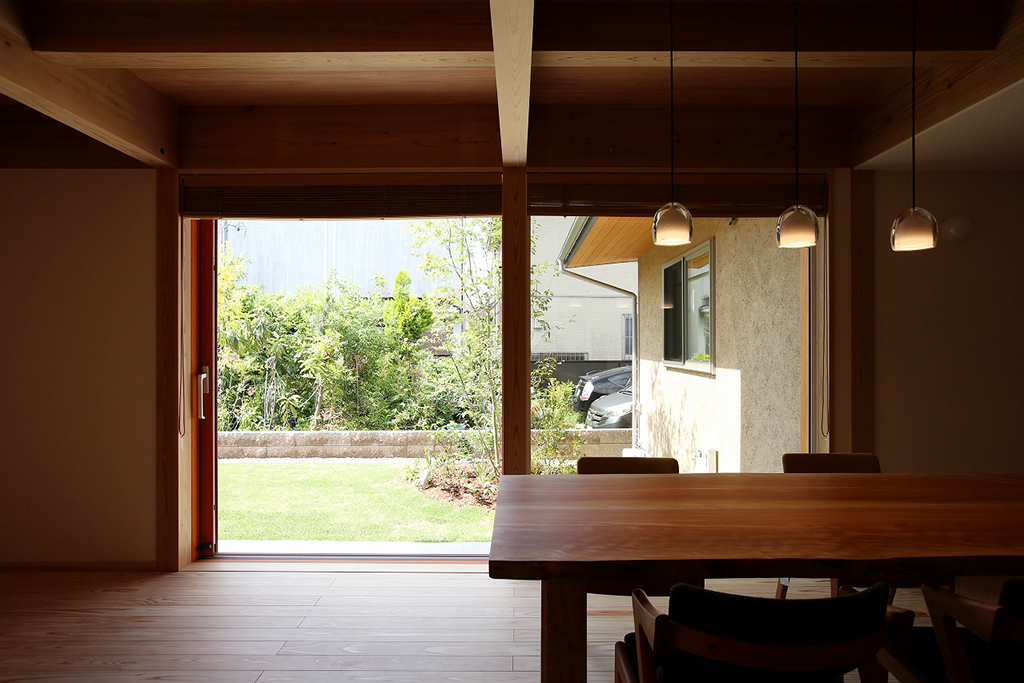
(796, 98)
(671, 102)
(913, 105)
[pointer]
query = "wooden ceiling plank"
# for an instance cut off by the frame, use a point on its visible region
(759, 26)
(84, 26)
(113, 107)
(941, 93)
(512, 30)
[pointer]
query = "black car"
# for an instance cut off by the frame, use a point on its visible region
(598, 383)
(614, 411)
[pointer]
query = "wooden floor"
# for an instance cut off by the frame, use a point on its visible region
(242, 622)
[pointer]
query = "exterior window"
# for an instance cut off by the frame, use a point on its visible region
(688, 303)
(627, 336)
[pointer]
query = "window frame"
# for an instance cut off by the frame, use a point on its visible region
(693, 366)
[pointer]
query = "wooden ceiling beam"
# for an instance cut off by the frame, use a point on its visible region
(608, 138)
(747, 59)
(111, 106)
(384, 61)
(512, 29)
(77, 26)
(760, 25)
(450, 138)
(941, 93)
(29, 139)
(438, 138)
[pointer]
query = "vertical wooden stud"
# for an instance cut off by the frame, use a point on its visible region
(852, 311)
(515, 323)
(168, 402)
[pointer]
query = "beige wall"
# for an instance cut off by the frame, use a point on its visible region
(949, 366)
(750, 410)
(77, 260)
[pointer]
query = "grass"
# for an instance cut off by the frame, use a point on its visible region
(336, 500)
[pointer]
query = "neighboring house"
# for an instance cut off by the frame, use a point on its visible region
(285, 255)
(586, 322)
(719, 373)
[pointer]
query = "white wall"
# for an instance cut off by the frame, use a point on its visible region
(77, 271)
(949, 326)
(584, 317)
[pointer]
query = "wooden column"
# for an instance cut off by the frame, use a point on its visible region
(852, 311)
(170, 539)
(515, 323)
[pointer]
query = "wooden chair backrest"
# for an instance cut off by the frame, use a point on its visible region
(992, 623)
(656, 634)
(594, 464)
(866, 463)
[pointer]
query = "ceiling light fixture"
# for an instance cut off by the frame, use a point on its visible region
(798, 225)
(673, 223)
(915, 228)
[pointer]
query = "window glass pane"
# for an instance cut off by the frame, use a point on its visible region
(698, 308)
(673, 312)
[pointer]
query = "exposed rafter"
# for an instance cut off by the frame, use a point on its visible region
(512, 28)
(942, 93)
(114, 107)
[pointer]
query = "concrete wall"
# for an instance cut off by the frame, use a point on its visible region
(749, 411)
(390, 444)
(77, 272)
(949, 325)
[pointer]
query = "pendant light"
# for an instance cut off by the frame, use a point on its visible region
(798, 225)
(915, 228)
(673, 223)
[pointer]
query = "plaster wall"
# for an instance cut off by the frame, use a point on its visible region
(949, 322)
(77, 268)
(749, 410)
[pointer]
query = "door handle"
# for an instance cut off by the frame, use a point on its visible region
(204, 389)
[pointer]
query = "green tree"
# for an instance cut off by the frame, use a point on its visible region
(462, 258)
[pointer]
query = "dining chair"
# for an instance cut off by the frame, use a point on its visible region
(597, 464)
(986, 647)
(594, 464)
(711, 636)
(824, 463)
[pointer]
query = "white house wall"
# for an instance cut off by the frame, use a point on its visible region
(749, 411)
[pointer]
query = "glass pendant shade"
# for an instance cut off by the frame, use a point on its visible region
(672, 226)
(797, 228)
(914, 229)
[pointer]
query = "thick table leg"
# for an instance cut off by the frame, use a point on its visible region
(563, 631)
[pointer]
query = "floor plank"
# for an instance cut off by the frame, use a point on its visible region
(272, 622)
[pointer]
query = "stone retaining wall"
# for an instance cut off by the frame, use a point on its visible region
(390, 444)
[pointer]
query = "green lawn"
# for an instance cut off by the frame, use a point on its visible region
(336, 500)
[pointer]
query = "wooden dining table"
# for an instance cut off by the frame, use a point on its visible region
(570, 532)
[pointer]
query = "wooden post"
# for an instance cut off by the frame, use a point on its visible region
(852, 314)
(515, 323)
(168, 401)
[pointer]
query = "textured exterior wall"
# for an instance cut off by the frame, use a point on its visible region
(749, 411)
(390, 444)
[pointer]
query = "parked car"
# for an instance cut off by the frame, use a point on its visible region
(598, 383)
(614, 411)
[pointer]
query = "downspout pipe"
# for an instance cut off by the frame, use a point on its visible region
(563, 257)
